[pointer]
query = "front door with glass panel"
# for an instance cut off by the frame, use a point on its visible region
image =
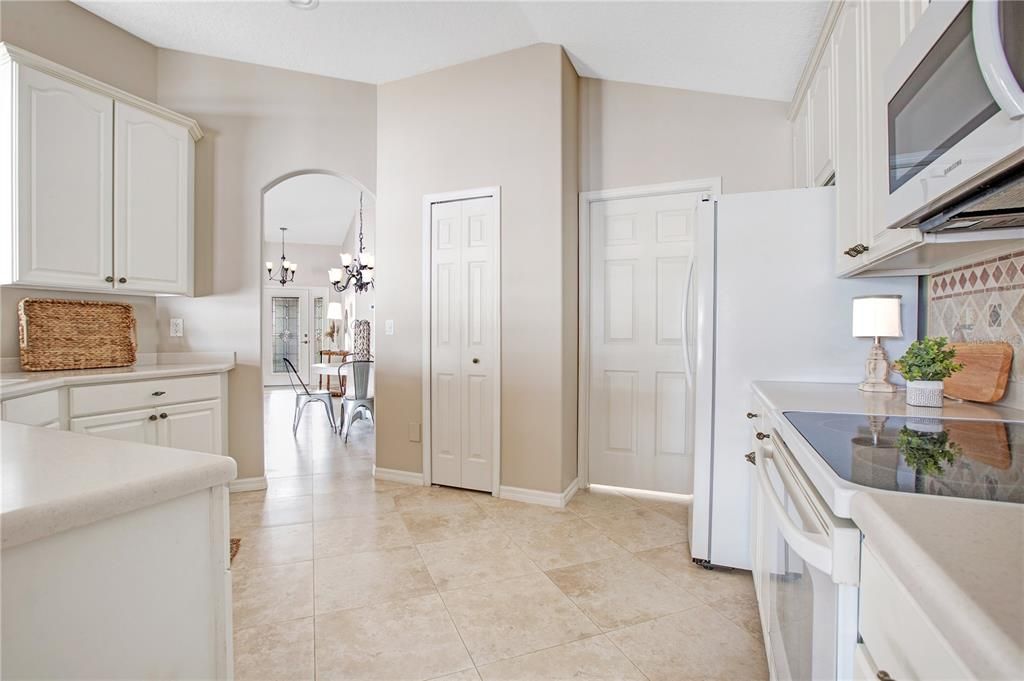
(287, 329)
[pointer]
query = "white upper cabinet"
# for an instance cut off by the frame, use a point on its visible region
(152, 203)
(821, 99)
(62, 136)
(801, 147)
(847, 48)
(100, 187)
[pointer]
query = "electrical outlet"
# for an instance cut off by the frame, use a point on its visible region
(414, 432)
(389, 327)
(177, 327)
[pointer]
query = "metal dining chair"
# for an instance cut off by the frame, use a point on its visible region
(357, 402)
(305, 396)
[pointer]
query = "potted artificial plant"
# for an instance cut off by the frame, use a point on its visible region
(924, 366)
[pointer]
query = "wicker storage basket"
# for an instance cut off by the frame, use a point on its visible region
(75, 334)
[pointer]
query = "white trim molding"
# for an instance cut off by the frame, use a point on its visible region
(9, 53)
(394, 475)
(707, 184)
(247, 484)
(428, 201)
(539, 497)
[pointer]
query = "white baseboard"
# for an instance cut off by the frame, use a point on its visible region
(392, 475)
(247, 484)
(536, 496)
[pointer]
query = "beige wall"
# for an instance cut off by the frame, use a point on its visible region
(570, 265)
(145, 315)
(494, 121)
(67, 34)
(260, 123)
(640, 134)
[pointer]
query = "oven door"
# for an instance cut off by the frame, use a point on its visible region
(955, 104)
(796, 553)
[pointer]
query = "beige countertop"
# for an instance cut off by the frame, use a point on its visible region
(962, 560)
(16, 383)
(54, 481)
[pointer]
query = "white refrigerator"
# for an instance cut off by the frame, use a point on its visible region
(768, 307)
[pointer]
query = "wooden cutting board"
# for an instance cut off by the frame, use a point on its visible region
(75, 334)
(985, 373)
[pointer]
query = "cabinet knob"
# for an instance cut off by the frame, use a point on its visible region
(152, 417)
(109, 280)
(883, 675)
(122, 280)
(476, 360)
(158, 393)
(751, 458)
(762, 436)
(163, 415)
(751, 415)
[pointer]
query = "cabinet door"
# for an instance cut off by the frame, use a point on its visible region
(195, 426)
(822, 133)
(885, 34)
(133, 426)
(848, 48)
(152, 203)
(801, 160)
(65, 183)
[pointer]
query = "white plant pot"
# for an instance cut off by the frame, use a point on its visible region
(924, 393)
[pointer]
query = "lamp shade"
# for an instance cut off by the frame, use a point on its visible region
(877, 316)
(334, 311)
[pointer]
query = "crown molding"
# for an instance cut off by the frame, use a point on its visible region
(11, 53)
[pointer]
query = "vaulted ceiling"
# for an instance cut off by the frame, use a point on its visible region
(751, 48)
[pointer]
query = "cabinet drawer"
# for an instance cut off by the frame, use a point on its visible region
(902, 640)
(98, 399)
(41, 409)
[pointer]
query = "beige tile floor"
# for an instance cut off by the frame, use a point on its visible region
(343, 577)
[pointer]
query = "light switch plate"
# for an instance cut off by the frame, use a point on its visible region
(389, 327)
(177, 327)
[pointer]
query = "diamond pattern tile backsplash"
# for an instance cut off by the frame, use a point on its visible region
(983, 301)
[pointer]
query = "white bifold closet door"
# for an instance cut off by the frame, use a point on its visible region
(641, 342)
(463, 357)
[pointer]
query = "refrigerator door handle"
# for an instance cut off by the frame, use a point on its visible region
(686, 326)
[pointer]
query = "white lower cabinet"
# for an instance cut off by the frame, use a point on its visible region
(193, 426)
(133, 426)
(187, 412)
(898, 638)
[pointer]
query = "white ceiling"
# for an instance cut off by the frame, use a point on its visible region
(316, 209)
(755, 48)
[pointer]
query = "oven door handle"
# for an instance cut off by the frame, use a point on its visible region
(988, 46)
(812, 548)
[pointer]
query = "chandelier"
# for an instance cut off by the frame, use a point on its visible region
(356, 272)
(286, 272)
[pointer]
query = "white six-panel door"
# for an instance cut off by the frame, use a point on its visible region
(463, 351)
(153, 203)
(641, 254)
(65, 170)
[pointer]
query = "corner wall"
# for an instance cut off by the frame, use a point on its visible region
(494, 121)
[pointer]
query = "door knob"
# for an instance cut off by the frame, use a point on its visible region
(750, 457)
(109, 280)
(163, 415)
(762, 436)
(152, 417)
(122, 280)
(476, 360)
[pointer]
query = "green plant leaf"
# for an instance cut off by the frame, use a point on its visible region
(928, 359)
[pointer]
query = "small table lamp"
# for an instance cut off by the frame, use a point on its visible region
(877, 317)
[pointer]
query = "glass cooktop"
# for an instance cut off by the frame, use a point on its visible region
(940, 456)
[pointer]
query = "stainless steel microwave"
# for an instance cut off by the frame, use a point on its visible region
(955, 105)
